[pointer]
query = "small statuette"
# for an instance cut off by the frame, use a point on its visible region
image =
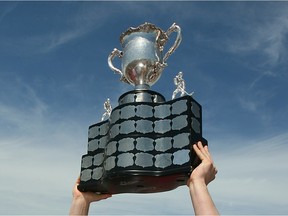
(108, 109)
(180, 86)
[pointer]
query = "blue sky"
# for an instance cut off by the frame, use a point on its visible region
(54, 79)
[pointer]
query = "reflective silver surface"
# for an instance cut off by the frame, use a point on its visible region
(179, 122)
(86, 175)
(93, 132)
(109, 163)
(133, 96)
(93, 145)
(144, 111)
(98, 159)
(126, 144)
(111, 148)
(87, 161)
(163, 160)
(162, 111)
(144, 126)
(163, 144)
(142, 55)
(180, 157)
(179, 106)
(125, 160)
(144, 159)
(127, 127)
(181, 140)
(162, 126)
(180, 86)
(144, 144)
(97, 173)
(127, 112)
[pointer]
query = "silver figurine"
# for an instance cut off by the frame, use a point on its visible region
(107, 108)
(180, 86)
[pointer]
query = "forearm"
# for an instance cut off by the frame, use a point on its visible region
(79, 207)
(201, 199)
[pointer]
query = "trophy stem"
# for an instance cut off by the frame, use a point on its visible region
(142, 87)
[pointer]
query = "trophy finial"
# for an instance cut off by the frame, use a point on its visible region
(180, 86)
(107, 108)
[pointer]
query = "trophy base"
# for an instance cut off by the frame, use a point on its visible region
(135, 183)
(143, 181)
(144, 147)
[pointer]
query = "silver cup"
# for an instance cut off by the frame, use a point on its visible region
(142, 56)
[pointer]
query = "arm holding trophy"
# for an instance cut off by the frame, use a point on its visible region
(200, 177)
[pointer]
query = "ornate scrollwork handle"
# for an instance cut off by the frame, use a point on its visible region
(112, 55)
(177, 29)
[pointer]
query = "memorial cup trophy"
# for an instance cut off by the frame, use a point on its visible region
(145, 143)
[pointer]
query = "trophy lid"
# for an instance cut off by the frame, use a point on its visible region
(146, 28)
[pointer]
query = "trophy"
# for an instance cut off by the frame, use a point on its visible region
(143, 145)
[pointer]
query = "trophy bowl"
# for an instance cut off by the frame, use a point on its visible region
(142, 56)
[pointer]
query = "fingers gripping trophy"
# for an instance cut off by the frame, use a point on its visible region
(143, 145)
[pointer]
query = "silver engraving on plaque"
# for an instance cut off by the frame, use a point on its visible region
(144, 111)
(195, 125)
(126, 144)
(144, 159)
(163, 160)
(109, 163)
(86, 175)
(103, 129)
(93, 132)
(114, 130)
(195, 109)
(87, 161)
(163, 144)
(115, 116)
(144, 126)
(181, 140)
(97, 173)
(142, 57)
(127, 127)
(111, 148)
(181, 157)
(98, 159)
(144, 144)
(93, 145)
(179, 122)
(125, 160)
(179, 107)
(162, 111)
(162, 126)
(102, 142)
(127, 112)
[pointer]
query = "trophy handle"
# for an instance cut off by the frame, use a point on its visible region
(112, 55)
(173, 28)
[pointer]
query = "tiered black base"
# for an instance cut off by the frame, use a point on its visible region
(144, 147)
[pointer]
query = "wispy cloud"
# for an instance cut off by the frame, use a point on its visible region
(6, 9)
(266, 37)
(252, 176)
(84, 21)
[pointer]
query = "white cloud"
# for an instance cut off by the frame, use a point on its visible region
(267, 38)
(252, 176)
